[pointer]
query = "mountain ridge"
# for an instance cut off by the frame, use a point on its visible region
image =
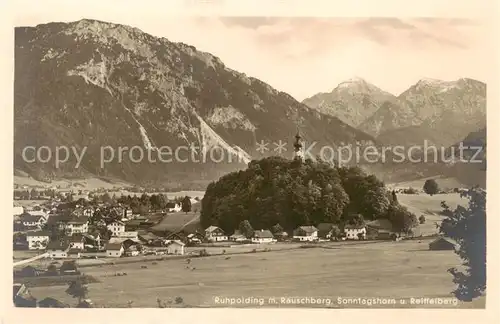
(427, 107)
(92, 84)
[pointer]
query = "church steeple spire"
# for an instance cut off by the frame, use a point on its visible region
(298, 154)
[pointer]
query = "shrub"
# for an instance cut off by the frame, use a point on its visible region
(203, 253)
(421, 219)
(410, 191)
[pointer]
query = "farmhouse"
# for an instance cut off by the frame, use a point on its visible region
(179, 236)
(237, 237)
(148, 238)
(114, 250)
(281, 236)
(215, 234)
(28, 271)
(116, 227)
(263, 236)
(175, 247)
(37, 240)
(58, 249)
(132, 250)
(195, 238)
(126, 242)
(305, 233)
(379, 229)
(442, 243)
(354, 232)
(327, 230)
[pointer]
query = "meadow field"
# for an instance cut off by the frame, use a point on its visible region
(401, 270)
(430, 207)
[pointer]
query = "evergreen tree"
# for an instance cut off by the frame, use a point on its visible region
(186, 204)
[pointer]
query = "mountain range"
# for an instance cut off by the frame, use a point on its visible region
(441, 112)
(92, 84)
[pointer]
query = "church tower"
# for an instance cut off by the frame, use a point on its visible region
(298, 153)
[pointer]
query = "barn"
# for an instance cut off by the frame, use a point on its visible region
(442, 243)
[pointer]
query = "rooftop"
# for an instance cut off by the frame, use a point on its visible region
(263, 234)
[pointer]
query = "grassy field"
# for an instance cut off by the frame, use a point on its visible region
(430, 206)
(385, 270)
(177, 221)
(22, 179)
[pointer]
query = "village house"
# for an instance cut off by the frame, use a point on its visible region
(29, 220)
(195, 238)
(305, 233)
(355, 232)
(237, 237)
(175, 247)
(78, 225)
(173, 207)
(92, 239)
(327, 230)
(114, 250)
(177, 236)
(263, 236)
(127, 213)
(58, 249)
(215, 234)
(149, 238)
(380, 229)
(76, 241)
(281, 236)
(37, 240)
(125, 242)
(132, 250)
(116, 227)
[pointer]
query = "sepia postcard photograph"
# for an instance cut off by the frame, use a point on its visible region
(260, 161)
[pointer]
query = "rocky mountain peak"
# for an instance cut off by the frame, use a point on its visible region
(357, 85)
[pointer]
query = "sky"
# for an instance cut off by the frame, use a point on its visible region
(306, 55)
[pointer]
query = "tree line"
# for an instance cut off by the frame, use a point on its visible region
(293, 193)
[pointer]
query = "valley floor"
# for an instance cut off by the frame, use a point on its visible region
(397, 270)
